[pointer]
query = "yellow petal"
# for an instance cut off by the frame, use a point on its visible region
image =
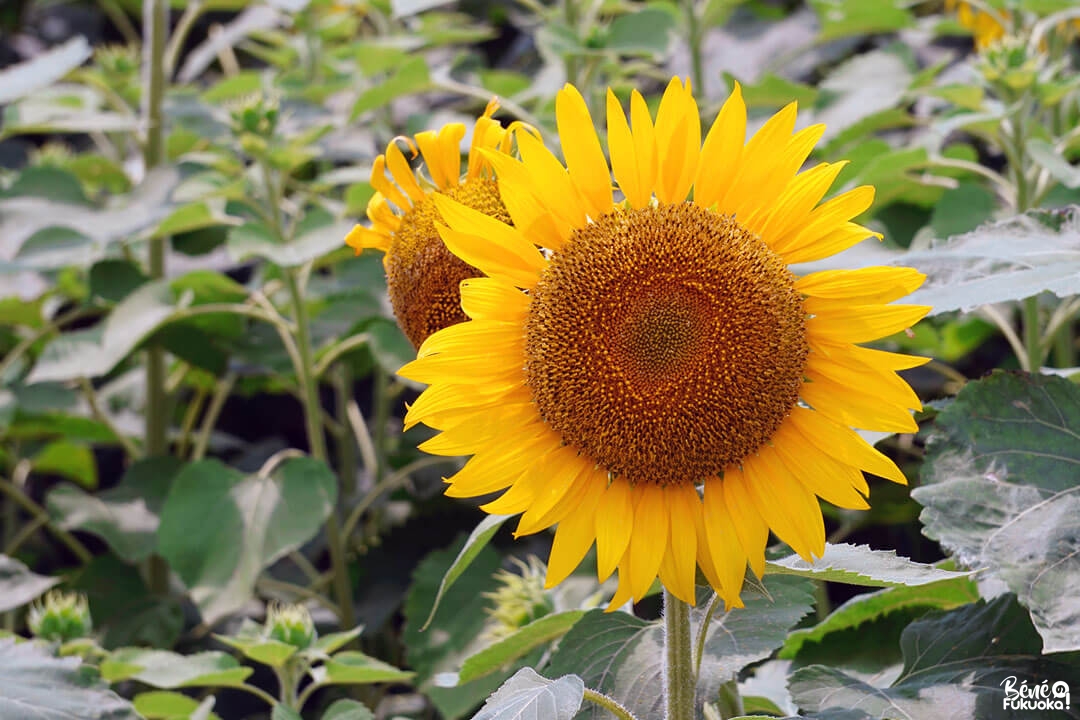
(382, 184)
(858, 409)
(791, 510)
(865, 286)
(362, 238)
(574, 537)
(403, 174)
(649, 538)
(681, 556)
(586, 476)
(827, 227)
(858, 357)
(500, 464)
(837, 483)
(614, 521)
(644, 141)
(560, 469)
(624, 161)
(792, 209)
(882, 385)
(678, 142)
(531, 217)
(493, 299)
(844, 444)
(720, 155)
(487, 133)
(581, 148)
(551, 183)
(862, 323)
(750, 526)
(622, 595)
(758, 159)
(724, 546)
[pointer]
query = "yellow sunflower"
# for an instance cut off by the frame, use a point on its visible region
(986, 24)
(648, 374)
(422, 275)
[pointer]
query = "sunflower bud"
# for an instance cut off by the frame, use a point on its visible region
(290, 624)
(60, 617)
(519, 600)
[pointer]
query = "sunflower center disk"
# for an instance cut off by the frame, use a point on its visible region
(665, 343)
(422, 276)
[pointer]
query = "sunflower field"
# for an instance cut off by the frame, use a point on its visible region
(539, 359)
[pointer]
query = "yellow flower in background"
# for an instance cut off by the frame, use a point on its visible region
(985, 25)
(648, 374)
(422, 275)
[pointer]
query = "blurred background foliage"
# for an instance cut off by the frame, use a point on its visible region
(179, 319)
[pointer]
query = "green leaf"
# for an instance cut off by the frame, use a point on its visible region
(1001, 489)
(867, 84)
(539, 632)
(477, 541)
(73, 461)
(333, 642)
(256, 240)
(22, 79)
(219, 529)
(844, 18)
(859, 565)
(126, 516)
(622, 656)
(234, 87)
(941, 595)
(452, 636)
(114, 280)
(35, 685)
(647, 31)
(411, 76)
(354, 668)
(193, 216)
(955, 664)
(18, 585)
(348, 710)
(167, 705)
(1044, 153)
(262, 650)
(530, 696)
(281, 712)
(169, 670)
(1008, 260)
(962, 209)
(773, 91)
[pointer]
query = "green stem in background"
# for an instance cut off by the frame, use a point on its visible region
(120, 19)
(348, 464)
(573, 62)
(1032, 335)
(703, 632)
(729, 701)
(312, 418)
(696, 38)
(678, 659)
(217, 402)
(98, 412)
(155, 26)
(20, 498)
(1064, 344)
(381, 401)
(608, 703)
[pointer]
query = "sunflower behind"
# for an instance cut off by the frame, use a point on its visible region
(656, 380)
(422, 275)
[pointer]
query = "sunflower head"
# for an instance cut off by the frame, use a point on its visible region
(987, 24)
(422, 275)
(644, 370)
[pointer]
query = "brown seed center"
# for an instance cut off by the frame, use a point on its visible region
(422, 276)
(665, 343)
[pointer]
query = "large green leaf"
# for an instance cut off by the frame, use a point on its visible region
(126, 516)
(539, 632)
(477, 541)
(954, 666)
(941, 595)
(859, 565)
(1001, 489)
(354, 668)
(35, 685)
(411, 76)
(530, 696)
(453, 634)
(866, 84)
(18, 585)
(169, 670)
(219, 528)
(998, 262)
(622, 656)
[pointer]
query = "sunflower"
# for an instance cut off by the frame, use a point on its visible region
(986, 24)
(648, 374)
(422, 275)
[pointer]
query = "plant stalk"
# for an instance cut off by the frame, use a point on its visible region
(678, 659)
(317, 442)
(155, 28)
(696, 38)
(1032, 335)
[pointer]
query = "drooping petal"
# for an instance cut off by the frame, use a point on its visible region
(581, 148)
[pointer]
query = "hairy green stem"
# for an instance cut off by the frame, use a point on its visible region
(1032, 335)
(703, 632)
(348, 463)
(608, 703)
(317, 442)
(678, 659)
(155, 27)
(696, 37)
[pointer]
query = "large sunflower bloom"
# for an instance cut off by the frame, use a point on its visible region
(422, 275)
(654, 379)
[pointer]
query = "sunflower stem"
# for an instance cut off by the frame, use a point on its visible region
(608, 703)
(679, 659)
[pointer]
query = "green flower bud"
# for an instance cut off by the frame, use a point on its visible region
(60, 617)
(519, 600)
(290, 624)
